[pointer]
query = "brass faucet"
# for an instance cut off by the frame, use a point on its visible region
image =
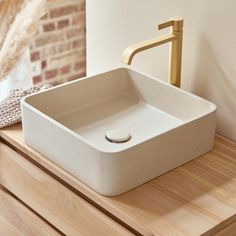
(175, 37)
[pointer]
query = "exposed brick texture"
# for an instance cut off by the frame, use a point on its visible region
(63, 23)
(64, 10)
(37, 79)
(65, 69)
(43, 64)
(34, 56)
(49, 27)
(58, 51)
(50, 74)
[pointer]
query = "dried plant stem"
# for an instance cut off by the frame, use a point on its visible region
(19, 34)
(8, 11)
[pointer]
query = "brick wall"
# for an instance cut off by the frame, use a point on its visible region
(58, 51)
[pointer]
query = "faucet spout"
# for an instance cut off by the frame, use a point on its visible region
(175, 37)
(130, 52)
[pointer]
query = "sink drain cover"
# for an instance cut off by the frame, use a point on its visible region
(118, 136)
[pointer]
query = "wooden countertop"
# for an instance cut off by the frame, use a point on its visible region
(194, 199)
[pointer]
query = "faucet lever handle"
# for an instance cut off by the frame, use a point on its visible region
(176, 22)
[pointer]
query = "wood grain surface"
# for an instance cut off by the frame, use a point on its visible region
(229, 230)
(198, 198)
(64, 209)
(17, 220)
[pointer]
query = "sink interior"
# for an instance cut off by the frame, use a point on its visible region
(141, 120)
(121, 99)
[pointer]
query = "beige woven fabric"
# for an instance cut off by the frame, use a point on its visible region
(10, 111)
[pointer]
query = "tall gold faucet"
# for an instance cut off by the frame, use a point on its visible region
(175, 37)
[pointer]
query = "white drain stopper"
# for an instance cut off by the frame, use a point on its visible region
(118, 136)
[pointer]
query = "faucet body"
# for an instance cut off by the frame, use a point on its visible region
(175, 37)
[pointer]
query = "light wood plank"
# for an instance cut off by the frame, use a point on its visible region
(16, 219)
(68, 212)
(191, 200)
(8, 229)
(228, 230)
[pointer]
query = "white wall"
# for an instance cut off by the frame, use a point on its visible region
(209, 53)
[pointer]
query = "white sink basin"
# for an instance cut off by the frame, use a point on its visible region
(167, 125)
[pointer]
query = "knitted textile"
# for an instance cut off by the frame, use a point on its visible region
(10, 111)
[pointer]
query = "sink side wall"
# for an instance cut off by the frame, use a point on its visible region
(62, 148)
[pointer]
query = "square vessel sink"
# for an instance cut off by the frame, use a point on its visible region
(117, 130)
